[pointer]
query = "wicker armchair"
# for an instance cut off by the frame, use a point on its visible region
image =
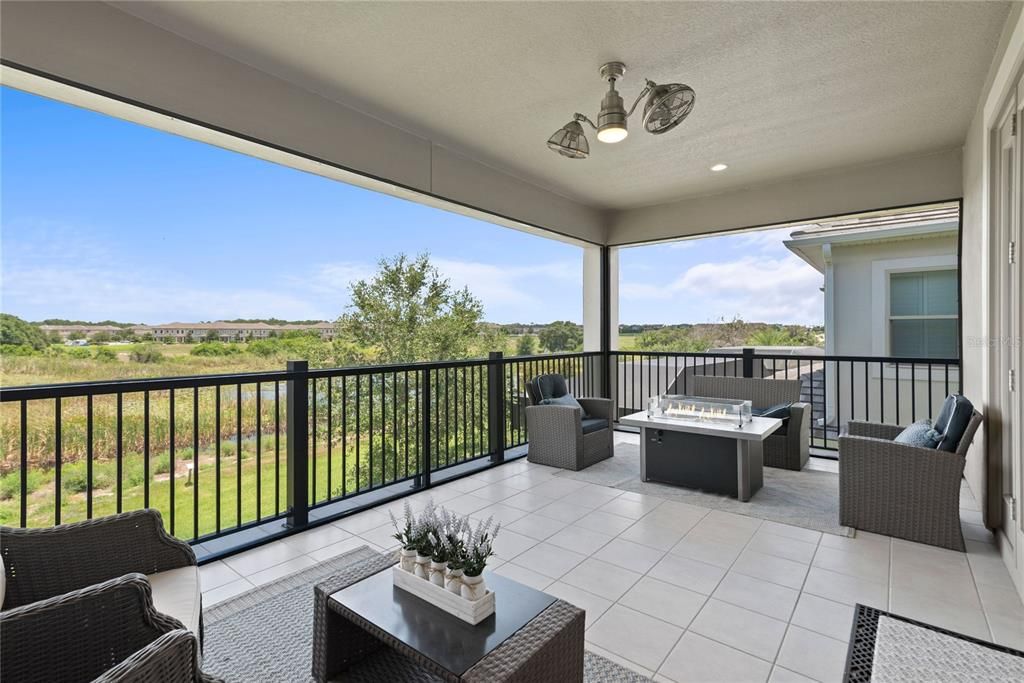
(789, 447)
(81, 590)
(107, 632)
(558, 435)
(900, 490)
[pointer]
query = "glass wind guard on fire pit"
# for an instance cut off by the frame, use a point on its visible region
(700, 409)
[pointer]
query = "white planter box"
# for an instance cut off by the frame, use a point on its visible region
(472, 611)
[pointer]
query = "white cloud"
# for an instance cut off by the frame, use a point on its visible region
(509, 286)
(784, 290)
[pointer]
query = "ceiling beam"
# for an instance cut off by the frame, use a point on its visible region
(903, 182)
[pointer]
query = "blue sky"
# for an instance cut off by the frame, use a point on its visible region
(101, 219)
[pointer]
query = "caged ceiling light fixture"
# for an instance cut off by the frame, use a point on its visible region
(665, 108)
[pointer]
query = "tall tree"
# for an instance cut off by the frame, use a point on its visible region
(561, 335)
(526, 346)
(408, 311)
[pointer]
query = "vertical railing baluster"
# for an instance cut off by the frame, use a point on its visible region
(344, 436)
(913, 392)
(425, 427)
(810, 376)
(394, 426)
(313, 434)
(928, 386)
(897, 369)
(369, 392)
(88, 453)
(238, 455)
(58, 446)
(216, 453)
(881, 390)
(23, 484)
(867, 402)
(119, 451)
(330, 435)
(359, 433)
(259, 451)
(195, 462)
(145, 448)
(277, 447)
(472, 409)
(170, 455)
(405, 412)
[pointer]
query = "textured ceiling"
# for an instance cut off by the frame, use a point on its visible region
(783, 89)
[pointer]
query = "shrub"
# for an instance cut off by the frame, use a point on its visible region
(106, 355)
(78, 352)
(212, 348)
(17, 350)
(10, 483)
(146, 354)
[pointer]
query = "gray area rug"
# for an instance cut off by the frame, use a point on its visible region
(265, 635)
(808, 499)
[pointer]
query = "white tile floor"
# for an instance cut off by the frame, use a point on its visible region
(682, 593)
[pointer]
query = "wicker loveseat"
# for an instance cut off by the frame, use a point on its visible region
(789, 447)
(561, 436)
(109, 599)
(901, 490)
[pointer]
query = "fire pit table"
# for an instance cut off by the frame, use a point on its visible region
(704, 443)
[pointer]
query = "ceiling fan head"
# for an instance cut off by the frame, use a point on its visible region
(570, 141)
(611, 121)
(666, 107)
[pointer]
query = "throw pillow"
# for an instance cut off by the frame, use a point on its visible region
(919, 434)
(566, 400)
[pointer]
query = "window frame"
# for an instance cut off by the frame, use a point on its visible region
(888, 306)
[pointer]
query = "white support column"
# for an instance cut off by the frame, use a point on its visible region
(592, 298)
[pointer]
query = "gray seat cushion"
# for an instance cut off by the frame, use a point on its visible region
(594, 424)
(177, 593)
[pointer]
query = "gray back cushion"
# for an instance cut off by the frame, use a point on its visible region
(547, 386)
(952, 421)
(762, 393)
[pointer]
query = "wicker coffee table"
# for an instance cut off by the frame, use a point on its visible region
(530, 637)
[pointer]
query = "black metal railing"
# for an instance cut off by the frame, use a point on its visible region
(889, 390)
(220, 453)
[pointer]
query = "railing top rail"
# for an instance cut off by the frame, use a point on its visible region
(728, 355)
(125, 386)
(801, 356)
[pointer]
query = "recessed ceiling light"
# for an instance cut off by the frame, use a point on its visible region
(719, 167)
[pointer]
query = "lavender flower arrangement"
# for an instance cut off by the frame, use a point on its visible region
(445, 536)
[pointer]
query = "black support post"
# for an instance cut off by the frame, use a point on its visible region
(297, 408)
(496, 405)
(606, 323)
(748, 362)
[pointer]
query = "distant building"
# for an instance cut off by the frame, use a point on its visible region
(230, 332)
(85, 331)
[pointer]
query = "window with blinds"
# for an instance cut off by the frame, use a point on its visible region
(923, 314)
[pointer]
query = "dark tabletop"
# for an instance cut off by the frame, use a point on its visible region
(452, 643)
